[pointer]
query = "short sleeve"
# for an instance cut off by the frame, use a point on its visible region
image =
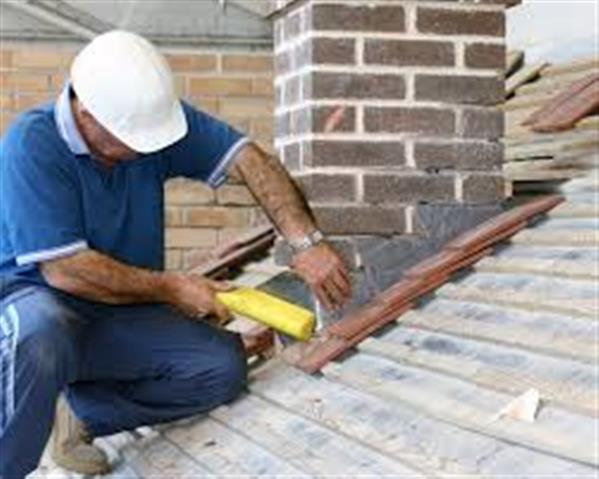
(207, 151)
(40, 203)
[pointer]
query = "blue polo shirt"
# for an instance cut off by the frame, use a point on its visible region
(56, 200)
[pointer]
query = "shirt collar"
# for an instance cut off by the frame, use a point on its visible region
(65, 121)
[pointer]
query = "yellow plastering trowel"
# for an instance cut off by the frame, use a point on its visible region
(276, 313)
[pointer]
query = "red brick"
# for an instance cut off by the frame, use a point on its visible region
(460, 21)
(291, 157)
(379, 18)
(483, 188)
(463, 156)
(279, 25)
(343, 219)
(283, 125)
(486, 123)
(283, 62)
(339, 51)
(353, 85)
(408, 187)
(328, 187)
(460, 89)
(411, 120)
(293, 26)
(486, 56)
(319, 119)
(354, 153)
(292, 90)
(409, 52)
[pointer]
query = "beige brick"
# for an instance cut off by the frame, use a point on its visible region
(270, 148)
(226, 235)
(208, 104)
(5, 120)
(27, 101)
(266, 143)
(5, 59)
(192, 63)
(219, 86)
(239, 122)
(234, 195)
(247, 63)
(259, 217)
(190, 237)
(18, 81)
(37, 58)
(262, 126)
(180, 85)
(246, 107)
(173, 259)
(194, 257)
(217, 216)
(173, 216)
(57, 81)
(187, 192)
(7, 101)
(263, 87)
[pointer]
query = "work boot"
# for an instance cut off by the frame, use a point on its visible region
(72, 446)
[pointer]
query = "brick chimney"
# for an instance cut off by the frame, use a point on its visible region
(386, 116)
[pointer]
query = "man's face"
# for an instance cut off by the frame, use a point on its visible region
(101, 143)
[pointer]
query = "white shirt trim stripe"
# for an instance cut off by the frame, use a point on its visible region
(218, 177)
(52, 253)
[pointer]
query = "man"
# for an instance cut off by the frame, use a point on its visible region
(86, 308)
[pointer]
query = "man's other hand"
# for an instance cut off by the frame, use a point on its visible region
(326, 273)
(195, 295)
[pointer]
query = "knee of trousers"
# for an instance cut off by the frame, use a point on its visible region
(225, 376)
(47, 338)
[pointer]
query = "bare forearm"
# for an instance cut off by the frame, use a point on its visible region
(98, 277)
(275, 191)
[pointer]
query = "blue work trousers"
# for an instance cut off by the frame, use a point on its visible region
(120, 367)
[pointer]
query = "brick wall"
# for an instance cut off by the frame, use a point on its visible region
(235, 86)
(383, 108)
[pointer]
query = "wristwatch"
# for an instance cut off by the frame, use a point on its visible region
(302, 244)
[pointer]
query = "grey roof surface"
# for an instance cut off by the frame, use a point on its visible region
(173, 22)
(420, 399)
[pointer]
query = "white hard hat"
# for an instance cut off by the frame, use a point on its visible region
(127, 85)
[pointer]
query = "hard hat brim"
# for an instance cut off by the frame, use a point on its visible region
(162, 135)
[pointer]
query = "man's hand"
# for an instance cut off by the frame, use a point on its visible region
(326, 273)
(195, 295)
